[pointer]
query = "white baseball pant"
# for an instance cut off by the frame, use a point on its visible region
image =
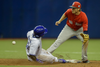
(65, 34)
(44, 56)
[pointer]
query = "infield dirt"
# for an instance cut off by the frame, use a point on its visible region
(25, 62)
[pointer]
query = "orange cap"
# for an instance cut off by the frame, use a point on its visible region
(76, 5)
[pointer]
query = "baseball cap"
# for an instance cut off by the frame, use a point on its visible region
(76, 5)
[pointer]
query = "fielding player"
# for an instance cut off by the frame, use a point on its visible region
(34, 47)
(76, 25)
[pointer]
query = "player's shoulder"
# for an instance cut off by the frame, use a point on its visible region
(29, 33)
(83, 13)
(69, 10)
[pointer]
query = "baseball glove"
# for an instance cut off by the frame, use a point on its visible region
(85, 37)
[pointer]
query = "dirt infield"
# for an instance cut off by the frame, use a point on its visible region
(25, 62)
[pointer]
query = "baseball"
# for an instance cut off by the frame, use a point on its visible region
(13, 42)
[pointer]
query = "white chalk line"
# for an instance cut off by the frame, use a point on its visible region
(79, 52)
(11, 51)
(55, 52)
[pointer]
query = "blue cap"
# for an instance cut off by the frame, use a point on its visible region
(40, 31)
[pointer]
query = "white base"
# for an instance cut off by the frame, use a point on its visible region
(72, 61)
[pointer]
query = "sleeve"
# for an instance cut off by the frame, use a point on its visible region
(85, 23)
(29, 33)
(33, 48)
(67, 12)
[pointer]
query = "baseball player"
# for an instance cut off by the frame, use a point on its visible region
(76, 25)
(34, 47)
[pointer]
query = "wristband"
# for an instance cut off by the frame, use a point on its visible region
(85, 32)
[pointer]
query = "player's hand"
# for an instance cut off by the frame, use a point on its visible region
(32, 57)
(57, 23)
(40, 61)
(85, 37)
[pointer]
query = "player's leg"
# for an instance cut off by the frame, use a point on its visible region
(65, 34)
(84, 46)
(48, 57)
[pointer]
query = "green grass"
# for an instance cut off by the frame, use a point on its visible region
(7, 50)
(71, 49)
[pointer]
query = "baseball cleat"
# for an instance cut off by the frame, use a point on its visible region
(79, 61)
(87, 61)
(62, 61)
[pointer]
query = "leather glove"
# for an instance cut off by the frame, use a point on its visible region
(85, 37)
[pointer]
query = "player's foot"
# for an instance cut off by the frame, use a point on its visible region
(79, 61)
(87, 61)
(61, 60)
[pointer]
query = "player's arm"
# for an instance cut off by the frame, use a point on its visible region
(33, 49)
(33, 57)
(64, 16)
(60, 20)
(85, 30)
(85, 24)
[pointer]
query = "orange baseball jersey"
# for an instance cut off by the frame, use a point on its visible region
(76, 21)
